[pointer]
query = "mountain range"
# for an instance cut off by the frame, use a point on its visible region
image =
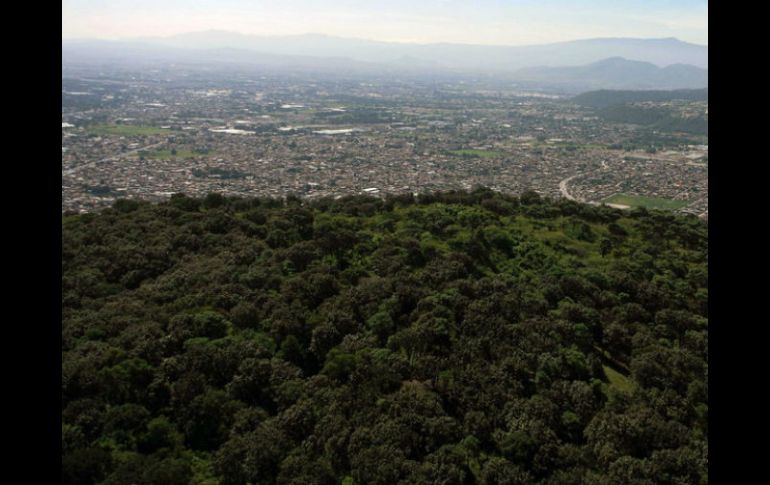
(661, 52)
(618, 73)
(609, 63)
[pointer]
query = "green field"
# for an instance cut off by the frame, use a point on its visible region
(647, 202)
(477, 153)
(126, 130)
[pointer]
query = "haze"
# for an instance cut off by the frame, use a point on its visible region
(475, 22)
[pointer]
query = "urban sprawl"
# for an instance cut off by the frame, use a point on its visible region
(152, 133)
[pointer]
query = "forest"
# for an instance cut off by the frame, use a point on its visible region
(623, 107)
(606, 98)
(464, 337)
(655, 118)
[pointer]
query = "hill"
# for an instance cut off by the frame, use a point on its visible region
(658, 110)
(448, 338)
(655, 118)
(606, 98)
(618, 73)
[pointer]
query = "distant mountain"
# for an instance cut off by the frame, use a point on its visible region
(617, 73)
(568, 66)
(661, 52)
(98, 51)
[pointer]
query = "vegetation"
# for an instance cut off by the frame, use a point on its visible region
(455, 338)
(649, 139)
(618, 380)
(473, 153)
(624, 107)
(605, 98)
(655, 118)
(99, 190)
(355, 115)
(647, 202)
(169, 153)
(216, 172)
(126, 130)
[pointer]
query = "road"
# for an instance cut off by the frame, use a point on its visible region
(563, 187)
(114, 157)
(565, 192)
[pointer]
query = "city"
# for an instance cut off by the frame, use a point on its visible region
(130, 133)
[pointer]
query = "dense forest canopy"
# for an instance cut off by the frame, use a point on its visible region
(453, 338)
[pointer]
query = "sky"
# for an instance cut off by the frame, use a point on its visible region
(500, 22)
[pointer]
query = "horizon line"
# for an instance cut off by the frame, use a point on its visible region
(320, 34)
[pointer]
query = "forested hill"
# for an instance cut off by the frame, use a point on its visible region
(606, 98)
(649, 109)
(455, 338)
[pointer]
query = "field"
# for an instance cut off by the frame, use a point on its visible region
(126, 130)
(477, 153)
(647, 202)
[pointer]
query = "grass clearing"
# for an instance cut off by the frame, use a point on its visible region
(647, 202)
(618, 380)
(127, 130)
(69, 219)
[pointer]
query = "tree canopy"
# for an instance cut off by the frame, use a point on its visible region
(453, 337)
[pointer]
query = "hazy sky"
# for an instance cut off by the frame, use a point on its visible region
(511, 22)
